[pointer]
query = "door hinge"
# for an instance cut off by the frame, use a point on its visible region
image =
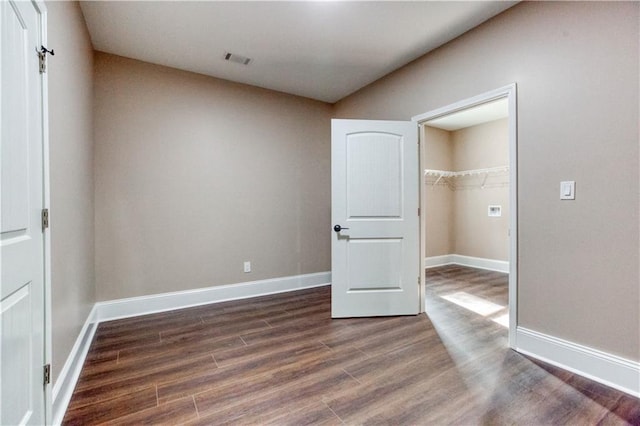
(419, 280)
(47, 374)
(42, 58)
(45, 219)
(418, 211)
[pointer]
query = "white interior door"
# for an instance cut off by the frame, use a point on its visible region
(21, 201)
(375, 262)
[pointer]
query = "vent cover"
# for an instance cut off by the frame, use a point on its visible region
(238, 59)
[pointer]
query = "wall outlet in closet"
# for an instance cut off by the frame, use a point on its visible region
(247, 266)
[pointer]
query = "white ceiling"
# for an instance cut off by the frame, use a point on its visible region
(323, 50)
(473, 116)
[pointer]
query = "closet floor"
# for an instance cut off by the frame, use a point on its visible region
(281, 360)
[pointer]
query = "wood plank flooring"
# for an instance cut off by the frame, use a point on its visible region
(281, 360)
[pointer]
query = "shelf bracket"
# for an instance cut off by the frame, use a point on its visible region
(486, 175)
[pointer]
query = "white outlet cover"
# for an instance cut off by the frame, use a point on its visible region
(495, 211)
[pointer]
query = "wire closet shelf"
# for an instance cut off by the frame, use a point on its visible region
(466, 179)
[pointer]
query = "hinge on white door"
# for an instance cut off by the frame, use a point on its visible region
(45, 219)
(419, 280)
(47, 374)
(42, 58)
(418, 211)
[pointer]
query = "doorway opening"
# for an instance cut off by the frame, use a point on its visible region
(468, 196)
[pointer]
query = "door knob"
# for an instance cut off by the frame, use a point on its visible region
(338, 228)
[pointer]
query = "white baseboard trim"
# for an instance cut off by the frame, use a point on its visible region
(610, 370)
(135, 306)
(66, 381)
(435, 261)
(473, 262)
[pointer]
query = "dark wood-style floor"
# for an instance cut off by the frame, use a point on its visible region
(281, 360)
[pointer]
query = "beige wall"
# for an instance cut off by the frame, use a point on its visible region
(475, 233)
(70, 74)
(481, 146)
(577, 120)
(195, 175)
(438, 205)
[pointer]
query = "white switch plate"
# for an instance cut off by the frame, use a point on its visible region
(247, 266)
(568, 190)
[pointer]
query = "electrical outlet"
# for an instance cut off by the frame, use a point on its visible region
(247, 266)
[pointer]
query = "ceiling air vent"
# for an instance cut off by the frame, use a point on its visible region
(238, 59)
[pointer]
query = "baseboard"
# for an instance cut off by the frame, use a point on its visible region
(473, 262)
(66, 381)
(435, 261)
(610, 370)
(135, 306)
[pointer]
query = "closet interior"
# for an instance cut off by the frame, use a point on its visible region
(467, 191)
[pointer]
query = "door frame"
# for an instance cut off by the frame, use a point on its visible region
(46, 204)
(510, 93)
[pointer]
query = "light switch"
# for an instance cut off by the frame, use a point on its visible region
(568, 190)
